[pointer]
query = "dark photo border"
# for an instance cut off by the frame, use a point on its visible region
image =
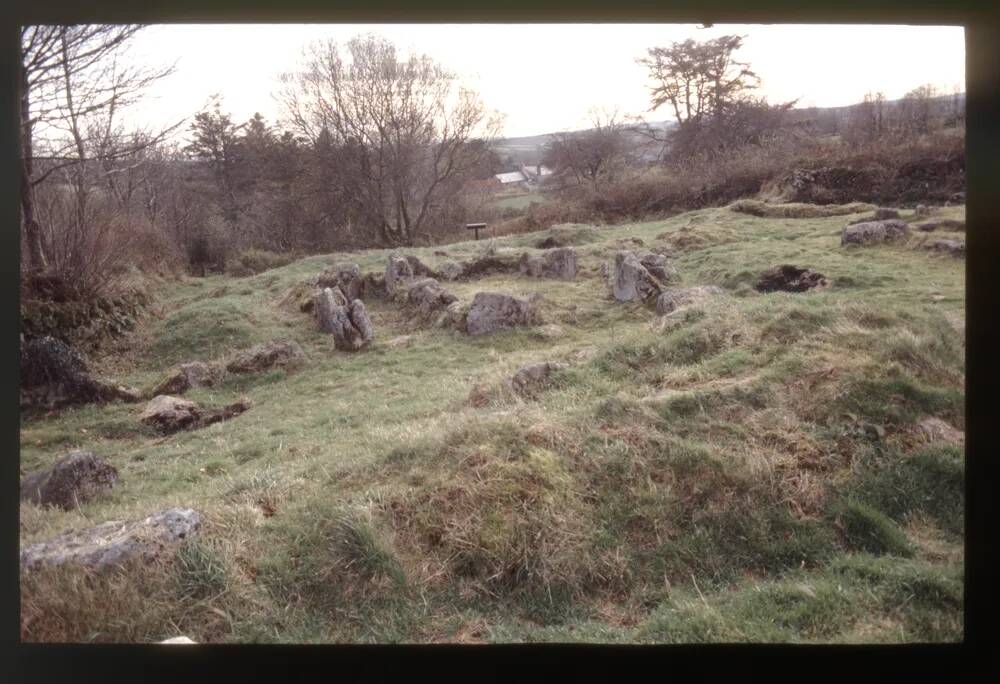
(65, 663)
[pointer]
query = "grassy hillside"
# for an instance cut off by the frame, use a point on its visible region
(749, 468)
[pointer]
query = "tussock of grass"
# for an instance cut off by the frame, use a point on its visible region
(332, 558)
(868, 529)
(508, 520)
(931, 481)
(63, 604)
(890, 396)
(199, 571)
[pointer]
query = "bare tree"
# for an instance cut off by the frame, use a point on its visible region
(698, 79)
(72, 84)
(402, 129)
(916, 110)
(866, 121)
(592, 155)
(709, 92)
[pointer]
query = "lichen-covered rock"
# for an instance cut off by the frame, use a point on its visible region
(451, 270)
(226, 412)
(872, 232)
(940, 224)
(74, 479)
(936, 430)
(553, 263)
(789, 278)
(494, 311)
(397, 271)
(658, 266)
(954, 247)
(186, 376)
(671, 300)
(882, 213)
(454, 316)
(352, 330)
(347, 321)
(530, 378)
(419, 268)
(274, 354)
(489, 264)
(427, 296)
(329, 301)
(170, 414)
(53, 374)
(116, 542)
(347, 277)
(373, 285)
(630, 281)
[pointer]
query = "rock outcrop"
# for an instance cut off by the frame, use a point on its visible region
(489, 264)
(74, 479)
(347, 321)
(186, 376)
(344, 276)
(631, 281)
(493, 311)
(940, 224)
(397, 271)
(116, 542)
(53, 375)
(553, 263)
(274, 354)
(451, 270)
(373, 285)
(327, 302)
(936, 430)
(534, 376)
(872, 232)
(658, 266)
(789, 278)
(428, 297)
(169, 414)
(671, 300)
(954, 247)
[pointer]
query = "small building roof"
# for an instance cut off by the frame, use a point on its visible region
(511, 177)
(536, 170)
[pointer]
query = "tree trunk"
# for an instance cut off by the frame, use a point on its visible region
(32, 231)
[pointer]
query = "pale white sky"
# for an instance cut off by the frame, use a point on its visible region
(545, 77)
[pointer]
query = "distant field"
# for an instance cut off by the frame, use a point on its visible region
(748, 469)
(518, 201)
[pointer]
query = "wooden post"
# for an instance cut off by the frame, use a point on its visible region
(475, 227)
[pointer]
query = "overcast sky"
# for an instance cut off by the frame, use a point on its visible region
(545, 78)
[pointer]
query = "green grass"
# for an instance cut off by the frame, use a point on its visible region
(747, 469)
(517, 201)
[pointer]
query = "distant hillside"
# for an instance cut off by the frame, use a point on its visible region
(824, 120)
